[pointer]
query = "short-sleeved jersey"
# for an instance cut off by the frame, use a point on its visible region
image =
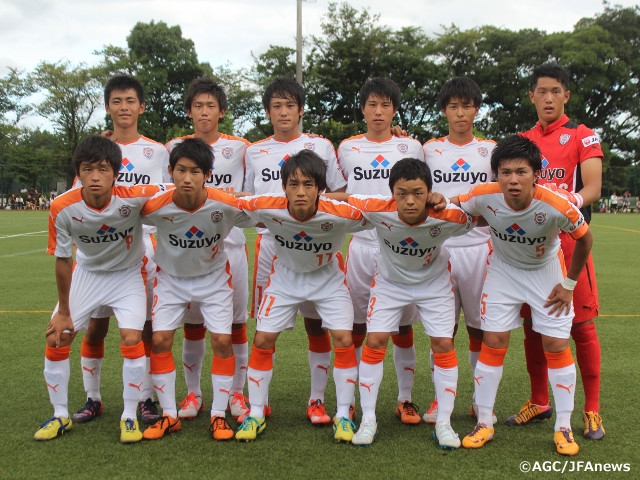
(191, 243)
(106, 240)
(527, 238)
(410, 253)
(366, 164)
(309, 245)
(457, 169)
(564, 146)
(265, 158)
(228, 169)
(144, 161)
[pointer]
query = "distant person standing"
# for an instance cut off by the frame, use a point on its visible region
(614, 203)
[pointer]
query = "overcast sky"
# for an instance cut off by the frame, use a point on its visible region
(228, 31)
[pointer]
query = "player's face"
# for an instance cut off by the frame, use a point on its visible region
(188, 177)
(517, 179)
(378, 114)
(124, 107)
(97, 179)
(411, 199)
(549, 97)
(205, 113)
(284, 114)
(302, 195)
(460, 114)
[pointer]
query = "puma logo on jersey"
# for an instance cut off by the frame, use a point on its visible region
(169, 219)
(439, 152)
(278, 221)
(493, 210)
(565, 387)
(387, 225)
(265, 150)
(81, 219)
(357, 149)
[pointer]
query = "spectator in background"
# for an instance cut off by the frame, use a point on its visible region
(613, 206)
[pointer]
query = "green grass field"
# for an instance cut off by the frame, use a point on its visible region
(290, 447)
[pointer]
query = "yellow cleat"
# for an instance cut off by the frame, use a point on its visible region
(129, 431)
(478, 437)
(565, 444)
(52, 428)
(250, 428)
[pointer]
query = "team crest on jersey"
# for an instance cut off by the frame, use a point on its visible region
(147, 152)
(227, 152)
(310, 146)
(326, 226)
(540, 217)
(403, 148)
(125, 210)
(434, 231)
(564, 138)
(216, 216)
(483, 151)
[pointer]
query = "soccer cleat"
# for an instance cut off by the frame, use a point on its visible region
(52, 428)
(149, 411)
(166, 424)
(267, 410)
(88, 412)
(445, 435)
(407, 412)
(528, 413)
(190, 407)
(317, 414)
(480, 435)
(473, 410)
(431, 415)
(238, 406)
(367, 432)
(129, 431)
(593, 429)
(343, 430)
(250, 428)
(220, 429)
(565, 444)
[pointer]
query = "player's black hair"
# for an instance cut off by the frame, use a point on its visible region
(310, 165)
(286, 88)
(462, 88)
(205, 85)
(550, 70)
(194, 149)
(95, 149)
(516, 147)
(383, 88)
(410, 169)
(122, 82)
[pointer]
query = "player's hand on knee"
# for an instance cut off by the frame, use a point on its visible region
(61, 327)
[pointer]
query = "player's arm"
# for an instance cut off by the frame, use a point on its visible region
(591, 171)
(61, 321)
(560, 297)
(339, 195)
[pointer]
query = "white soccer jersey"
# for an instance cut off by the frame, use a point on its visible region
(456, 169)
(527, 238)
(106, 240)
(191, 243)
(144, 161)
(410, 253)
(228, 170)
(366, 164)
(309, 245)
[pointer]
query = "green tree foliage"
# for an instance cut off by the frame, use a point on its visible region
(165, 63)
